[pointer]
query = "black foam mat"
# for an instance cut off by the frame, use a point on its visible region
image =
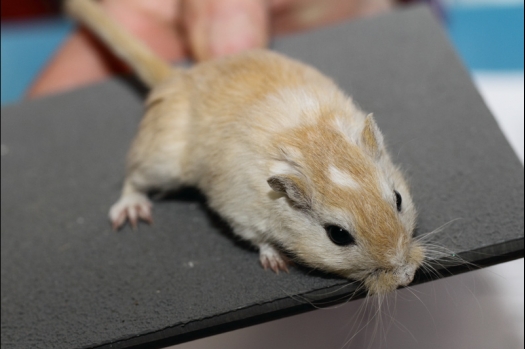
(69, 281)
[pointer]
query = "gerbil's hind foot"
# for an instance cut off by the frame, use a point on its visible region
(272, 258)
(130, 207)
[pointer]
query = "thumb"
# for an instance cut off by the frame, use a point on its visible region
(216, 28)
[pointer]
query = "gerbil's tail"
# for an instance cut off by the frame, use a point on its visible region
(150, 68)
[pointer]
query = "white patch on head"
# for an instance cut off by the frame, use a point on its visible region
(281, 167)
(350, 125)
(386, 189)
(286, 161)
(297, 106)
(347, 127)
(341, 178)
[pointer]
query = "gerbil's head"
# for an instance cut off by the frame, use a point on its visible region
(345, 207)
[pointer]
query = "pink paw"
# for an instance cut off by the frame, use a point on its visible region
(130, 207)
(272, 258)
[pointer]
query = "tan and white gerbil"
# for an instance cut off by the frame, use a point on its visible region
(282, 154)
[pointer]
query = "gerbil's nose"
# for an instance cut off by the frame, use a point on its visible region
(405, 275)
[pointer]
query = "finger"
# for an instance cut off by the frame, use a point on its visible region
(83, 59)
(216, 28)
(154, 22)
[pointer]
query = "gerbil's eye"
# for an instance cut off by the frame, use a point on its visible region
(339, 236)
(399, 200)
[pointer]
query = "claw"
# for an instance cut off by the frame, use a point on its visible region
(132, 216)
(144, 213)
(284, 266)
(133, 207)
(118, 221)
(272, 258)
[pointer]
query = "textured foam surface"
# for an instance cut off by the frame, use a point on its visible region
(68, 281)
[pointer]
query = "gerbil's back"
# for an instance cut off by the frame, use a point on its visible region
(230, 86)
(240, 103)
(257, 94)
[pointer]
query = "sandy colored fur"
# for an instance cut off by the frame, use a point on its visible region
(261, 134)
(374, 219)
(258, 133)
(227, 126)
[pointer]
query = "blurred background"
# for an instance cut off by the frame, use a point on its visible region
(480, 309)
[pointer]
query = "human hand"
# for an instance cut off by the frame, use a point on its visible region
(202, 29)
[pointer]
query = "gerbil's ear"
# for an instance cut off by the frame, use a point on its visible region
(292, 187)
(371, 137)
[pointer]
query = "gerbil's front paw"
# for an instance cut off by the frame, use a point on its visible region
(272, 258)
(133, 207)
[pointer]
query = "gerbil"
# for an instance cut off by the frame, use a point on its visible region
(282, 154)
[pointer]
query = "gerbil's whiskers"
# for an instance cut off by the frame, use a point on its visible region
(430, 270)
(374, 302)
(437, 256)
(319, 304)
(409, 289)
(399, 324)
(425, 236)
(360, 317)
(444, 257)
